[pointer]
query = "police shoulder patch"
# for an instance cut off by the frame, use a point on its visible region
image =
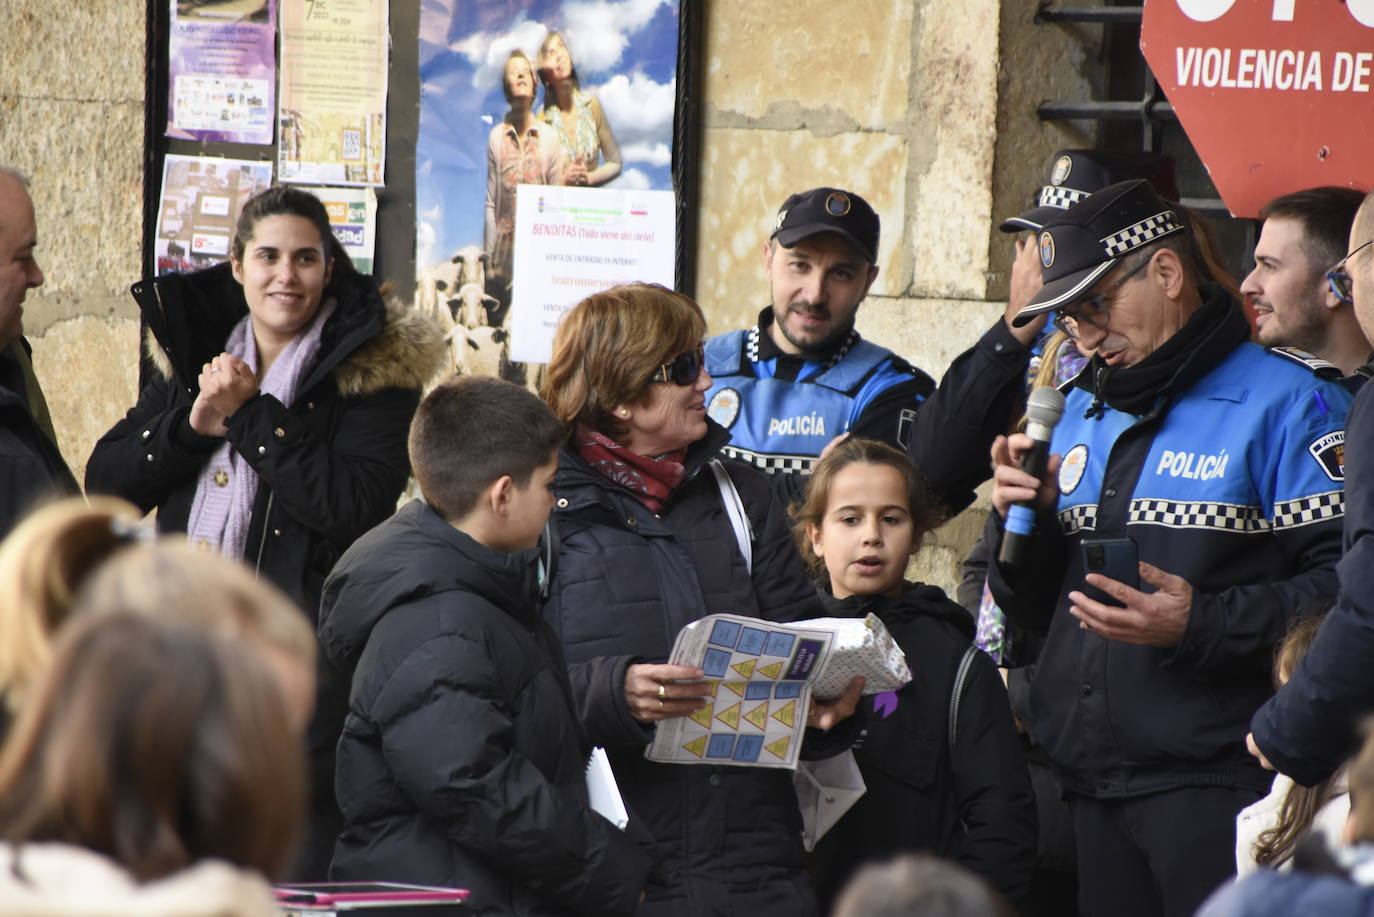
(724, 407)
(1071, 469)
(1322, 368)
(1329, 451)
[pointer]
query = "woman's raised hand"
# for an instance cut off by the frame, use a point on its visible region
(226, 382)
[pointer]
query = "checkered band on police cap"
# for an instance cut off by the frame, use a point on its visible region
(1059, 197)
(1091, 236)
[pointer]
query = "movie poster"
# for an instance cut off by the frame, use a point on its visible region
(530, 93)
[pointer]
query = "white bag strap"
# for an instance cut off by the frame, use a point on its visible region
(734, 509)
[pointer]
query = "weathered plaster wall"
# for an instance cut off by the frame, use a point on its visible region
(71, 117)
(928, 110)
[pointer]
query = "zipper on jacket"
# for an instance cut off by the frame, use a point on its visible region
(262, 542)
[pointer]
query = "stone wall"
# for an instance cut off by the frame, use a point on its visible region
(71, 117)
(928, 110)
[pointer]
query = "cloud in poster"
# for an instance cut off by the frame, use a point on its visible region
(655, 154)
(598, 33)
(632, 180)
(487, 51)
(639, 110)
(599, 30)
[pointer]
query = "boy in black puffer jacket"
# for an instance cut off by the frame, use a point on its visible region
(944, 767)
(461, 762)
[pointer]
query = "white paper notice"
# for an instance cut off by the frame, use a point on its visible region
(572, 242)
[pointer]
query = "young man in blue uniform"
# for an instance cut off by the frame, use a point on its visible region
(1308, 729)
(1305, 233)
(802, 376)
(1223, 462)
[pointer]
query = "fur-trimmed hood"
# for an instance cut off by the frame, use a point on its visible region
(369, 344)
(60, 880)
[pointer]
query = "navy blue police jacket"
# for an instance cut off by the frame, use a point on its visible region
(1233, 481)
(1308, 729)
(782, 410)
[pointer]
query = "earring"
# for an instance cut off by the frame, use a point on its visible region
(624, 412)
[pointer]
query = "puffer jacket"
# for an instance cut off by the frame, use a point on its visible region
(971, 803)
(727, 839)
(461, 762)
(330, 467)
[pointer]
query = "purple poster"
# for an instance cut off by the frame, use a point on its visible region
(222, 70)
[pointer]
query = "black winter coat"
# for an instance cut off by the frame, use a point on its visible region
(1308, 729)
(727, 839)
(461, 761)
(330, 467)
(31, 467)
(971, 804)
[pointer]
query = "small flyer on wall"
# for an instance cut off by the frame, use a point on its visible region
(333, 92)
(199, 207)
(353, 217)
(572, 242)
(222, 77)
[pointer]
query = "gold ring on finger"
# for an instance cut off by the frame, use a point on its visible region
(662, 692)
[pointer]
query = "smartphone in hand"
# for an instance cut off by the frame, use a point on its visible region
(1112, 557)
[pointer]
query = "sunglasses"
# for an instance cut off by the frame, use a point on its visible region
(684, 369)
(1093, 310)
(1339, 281)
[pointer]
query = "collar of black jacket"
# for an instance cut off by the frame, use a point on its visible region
(580, 480)
(1210, 334)
(191, 316)
(916, 601)
(436, 558)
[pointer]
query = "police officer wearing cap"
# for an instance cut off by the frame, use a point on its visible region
(1223, 463)
(984, 388)
(802, 375)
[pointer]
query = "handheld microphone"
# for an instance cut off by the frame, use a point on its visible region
(1044, 407)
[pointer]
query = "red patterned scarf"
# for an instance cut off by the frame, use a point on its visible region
(652, 480)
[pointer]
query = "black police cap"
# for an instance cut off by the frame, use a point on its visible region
(1074, 174)
(828, 210)
(1092, 236)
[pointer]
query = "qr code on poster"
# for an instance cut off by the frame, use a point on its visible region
(352, 144)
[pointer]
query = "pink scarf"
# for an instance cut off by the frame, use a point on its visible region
(223, 505)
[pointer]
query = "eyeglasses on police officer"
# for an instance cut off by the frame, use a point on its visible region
(1338, 280)
(1093, 310)
(683, 369)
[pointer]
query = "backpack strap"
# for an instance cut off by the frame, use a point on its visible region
(734, 509)
(957, 695)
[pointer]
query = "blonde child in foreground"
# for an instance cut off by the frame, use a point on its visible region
(1268, 831)
(1328, 882)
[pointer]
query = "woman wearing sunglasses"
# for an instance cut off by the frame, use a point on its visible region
(645, 548)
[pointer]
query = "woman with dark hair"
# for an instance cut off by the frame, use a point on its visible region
(149, 748)
(576, 117)
(273, 428)
(646, 546)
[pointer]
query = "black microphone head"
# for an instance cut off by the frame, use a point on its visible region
(1045, 406)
